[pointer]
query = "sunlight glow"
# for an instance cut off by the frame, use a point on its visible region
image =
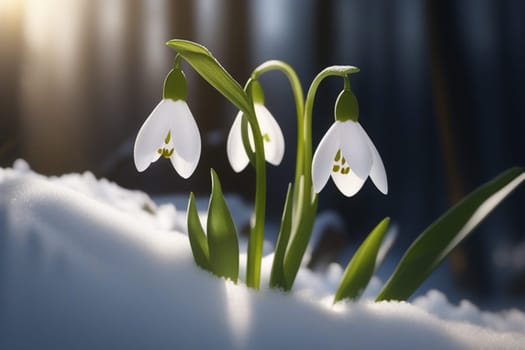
(110, 44)
(154, 37)
(52, 31)
(10, 17)
(210, 15)
(9, 7)
(111, 25)
(239, 302)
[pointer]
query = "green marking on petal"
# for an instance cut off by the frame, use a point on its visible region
(266, 137)
(166, 153)
(336, 168)
(337, 155)
(345, 171)
(168, 138)
(343, 161)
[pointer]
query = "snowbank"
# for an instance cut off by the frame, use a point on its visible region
(85, 264)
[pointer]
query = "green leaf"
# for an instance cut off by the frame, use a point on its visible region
(438, 240)
(277, 279)
(198, 240)
(302, 224)
(222, 235)
(211, 70)
(386, 245)
(363, 265)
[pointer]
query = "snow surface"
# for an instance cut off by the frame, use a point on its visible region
(85, 264)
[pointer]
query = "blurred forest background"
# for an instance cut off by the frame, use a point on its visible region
(441, 93)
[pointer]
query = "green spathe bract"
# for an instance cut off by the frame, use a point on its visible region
(438, 240)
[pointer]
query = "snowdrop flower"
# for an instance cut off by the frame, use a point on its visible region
(273, 138)
(346, 152)
(170, 131)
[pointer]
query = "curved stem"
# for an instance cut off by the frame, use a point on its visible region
(305, 215)
(256, 240)
(255, 244)
(341, 71)
(246, 140)
(347, 83)
(177, 62)
(297, 90)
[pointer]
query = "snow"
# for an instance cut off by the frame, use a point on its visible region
(85, 264)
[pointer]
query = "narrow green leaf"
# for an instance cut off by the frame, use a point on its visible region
(438, 240)
(212, 71)
(277, 279)
(302, 224)
(386, 245)
(362, 265)
(222, 235)
(198, 240)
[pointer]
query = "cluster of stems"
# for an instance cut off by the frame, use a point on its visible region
(304, 200)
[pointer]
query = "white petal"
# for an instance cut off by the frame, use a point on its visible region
(273, 149)
(323, 160)
(183, 167)
(349, 184)
(185, 137)
(377, 173)
(234, 147)
(355, 148)
(151, 135)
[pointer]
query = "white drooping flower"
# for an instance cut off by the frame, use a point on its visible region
(347, 154)
(169, 131)
(273, 139)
